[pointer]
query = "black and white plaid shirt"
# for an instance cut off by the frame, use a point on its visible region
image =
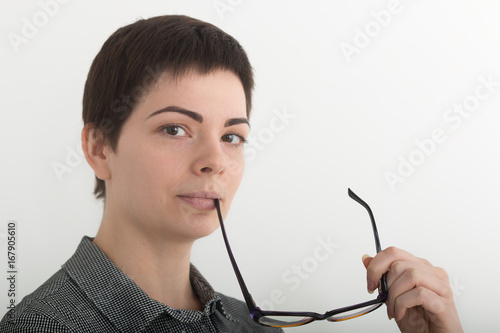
(91, 294)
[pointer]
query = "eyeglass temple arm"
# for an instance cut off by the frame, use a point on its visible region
(374, 226)
(248, 298)
(375, 232)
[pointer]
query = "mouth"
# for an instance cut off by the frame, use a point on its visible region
(200, 200)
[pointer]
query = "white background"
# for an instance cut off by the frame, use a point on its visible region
(351, 120)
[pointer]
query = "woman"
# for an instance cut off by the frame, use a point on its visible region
(165, 109)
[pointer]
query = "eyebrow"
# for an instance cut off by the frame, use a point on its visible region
(196, 116)
(191, 114)
(236, 121)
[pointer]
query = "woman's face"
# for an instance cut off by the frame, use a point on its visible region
(181, 148)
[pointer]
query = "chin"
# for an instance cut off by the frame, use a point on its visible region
(204, 227)
(206, 232)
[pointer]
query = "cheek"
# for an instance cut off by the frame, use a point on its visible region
(164, 168)
(235, 160)
(235, 170)
(149, 170)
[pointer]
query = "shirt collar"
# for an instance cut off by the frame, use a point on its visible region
(109, 288)
(206, 293)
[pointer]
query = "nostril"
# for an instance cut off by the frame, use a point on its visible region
(206, 169)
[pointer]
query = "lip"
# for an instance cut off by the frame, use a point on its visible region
(200, 200)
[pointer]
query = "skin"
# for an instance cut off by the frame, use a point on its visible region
(420, 297)
(160, 185)
(163, 161)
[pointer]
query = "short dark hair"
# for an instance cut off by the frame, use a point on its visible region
(132, 59)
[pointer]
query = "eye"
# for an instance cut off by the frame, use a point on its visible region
(173, 130)
(233, 139)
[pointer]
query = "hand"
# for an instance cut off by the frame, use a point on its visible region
(420, 297)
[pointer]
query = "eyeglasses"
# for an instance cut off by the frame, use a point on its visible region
(291, 319)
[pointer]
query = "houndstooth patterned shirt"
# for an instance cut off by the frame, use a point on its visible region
(91, 294)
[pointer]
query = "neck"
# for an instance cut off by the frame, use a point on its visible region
(160, 267)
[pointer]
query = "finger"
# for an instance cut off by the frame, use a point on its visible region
(431, 277)
(366, 260)
(405, 276)
(382, 262)
(420, 296)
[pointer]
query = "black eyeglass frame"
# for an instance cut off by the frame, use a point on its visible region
(256, 313)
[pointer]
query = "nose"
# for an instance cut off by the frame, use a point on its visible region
(210, 159)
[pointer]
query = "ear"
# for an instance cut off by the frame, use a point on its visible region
(96, 152)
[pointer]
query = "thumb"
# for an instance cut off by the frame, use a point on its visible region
(366, 260)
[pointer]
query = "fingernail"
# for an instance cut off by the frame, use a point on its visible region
(364, 257)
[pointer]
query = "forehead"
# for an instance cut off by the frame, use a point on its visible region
(219, 92)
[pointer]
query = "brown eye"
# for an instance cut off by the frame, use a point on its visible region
(173, 130)
(233, 138)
